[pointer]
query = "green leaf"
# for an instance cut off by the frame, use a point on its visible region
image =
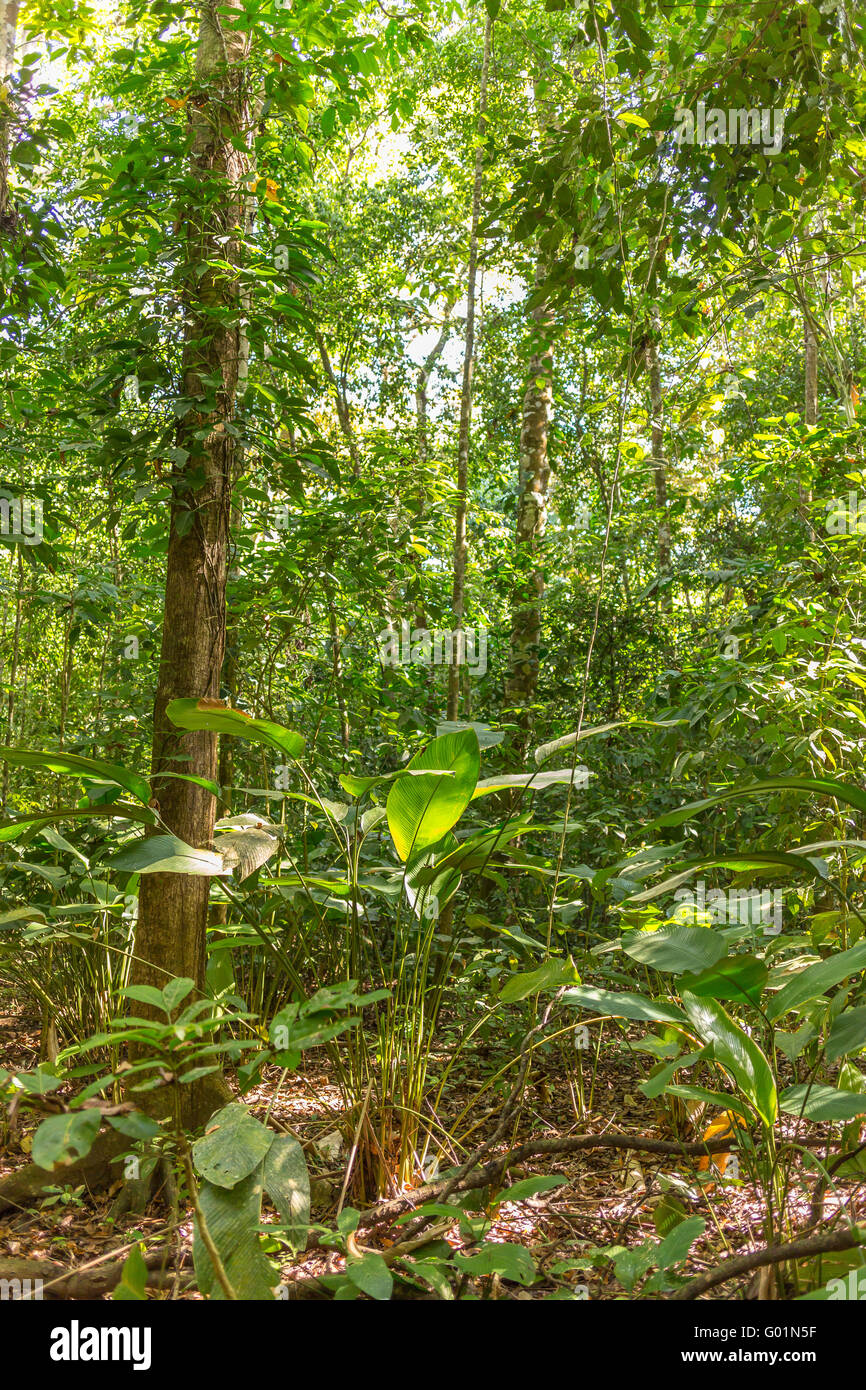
(175, 991)
(195, 714)
(487, 737)
(144, 994)
(675, 948)
(62, 1139)
(76, 766)
(533, 781)
(569, 740)
(234, 1144)
(848, 1034)
(677, 1244)
(816, 979)
(822, 1103)
(512, 1262)
(422, 809)
(133, 1279)
(232, 1216)
(166, 854)
(37, 1083)
(530, 1187)
(372, 1276)
(737, 977)
(37, 820)
(623, 1005)
(135, 1125)
(551, 975)
(818, 786)
(474, 853)
(736, 1051)
(287, 1183)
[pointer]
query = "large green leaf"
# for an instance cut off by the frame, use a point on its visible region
(736, 1051)
(737, 977)
(166, 854)
(623, 1005)
(422, 809)
(818, 786)
(815, 979)
(198, 714)
(76, 766)
(39, 820)
(475, 852)
(232, 1216)
(569, 740)
(533, 781)
(848, 1034)
(551, 975)
(234, 1144)
(822, 1103)
(287, 1183)
(737, 863)
(675, 948)
(62, 1139)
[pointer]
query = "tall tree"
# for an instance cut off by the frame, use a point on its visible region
(8, 30)
(173, 907)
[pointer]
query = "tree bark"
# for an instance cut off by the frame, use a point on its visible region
(659, 465)
(170, 939)
(458, 590)
(8, 29)
(811, 354)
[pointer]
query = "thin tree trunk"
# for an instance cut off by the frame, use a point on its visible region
(337, 671)
(421, 383)
(534, 482)
(458, 591)
(8, 28)
(811, 353)
(173, 907)
(13, 672)
(341, 401)
(659, 465)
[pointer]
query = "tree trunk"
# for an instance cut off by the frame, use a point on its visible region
(534, 483)
(811, 353)
(458, 591)
(170, 939)
(659, 466)
(341, 400)
(8, 28)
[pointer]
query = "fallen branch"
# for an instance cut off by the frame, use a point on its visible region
(772, 1255)
(58, 1282)
(534, 1148)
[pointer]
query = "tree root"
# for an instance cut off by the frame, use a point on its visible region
(25, 1186)
(58, 1282)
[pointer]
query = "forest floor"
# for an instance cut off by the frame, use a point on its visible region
(608, 1198)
